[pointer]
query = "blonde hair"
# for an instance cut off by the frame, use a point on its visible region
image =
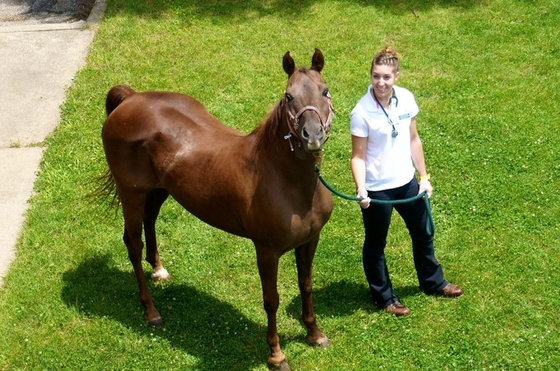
(386, 57)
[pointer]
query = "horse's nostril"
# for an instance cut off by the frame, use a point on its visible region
(305, 134)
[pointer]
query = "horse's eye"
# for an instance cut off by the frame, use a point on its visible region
(326, 93)
(289, 97)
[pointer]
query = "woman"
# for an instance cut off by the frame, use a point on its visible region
(386, 153)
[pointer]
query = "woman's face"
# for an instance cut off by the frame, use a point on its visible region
(382, 79)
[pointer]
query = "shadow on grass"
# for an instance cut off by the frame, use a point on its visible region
(213, 331)
(344, 298)
(236, 11)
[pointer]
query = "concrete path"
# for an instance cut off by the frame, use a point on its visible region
(38, 60)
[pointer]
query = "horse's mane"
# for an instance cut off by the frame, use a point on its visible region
(267, 131)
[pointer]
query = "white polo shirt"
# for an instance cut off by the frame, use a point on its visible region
(388, 160)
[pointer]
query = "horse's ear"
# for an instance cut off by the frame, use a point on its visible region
(288, 64)
(318, 61)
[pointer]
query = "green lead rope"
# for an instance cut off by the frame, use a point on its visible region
(430, 228)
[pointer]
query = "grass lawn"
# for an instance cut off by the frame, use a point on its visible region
(485, 74)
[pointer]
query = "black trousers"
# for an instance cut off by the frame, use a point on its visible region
(377, 218)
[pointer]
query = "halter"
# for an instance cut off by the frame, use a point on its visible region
(293, 121)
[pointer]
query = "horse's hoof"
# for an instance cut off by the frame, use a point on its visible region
(160, 275)
(156, 322)
(283, 366)
(322, 343)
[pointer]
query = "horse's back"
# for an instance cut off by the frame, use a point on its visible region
(151, 111)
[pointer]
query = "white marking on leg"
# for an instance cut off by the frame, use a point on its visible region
(160, 275)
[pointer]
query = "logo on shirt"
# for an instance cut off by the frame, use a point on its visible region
(405, 116)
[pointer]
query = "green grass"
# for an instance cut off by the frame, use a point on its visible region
(485, 76)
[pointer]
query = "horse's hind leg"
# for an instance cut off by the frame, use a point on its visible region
(133, 212)
(304, 259)
(155, 199)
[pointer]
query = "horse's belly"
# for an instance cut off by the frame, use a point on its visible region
(288, 231)
(214, 210)
(285, 230)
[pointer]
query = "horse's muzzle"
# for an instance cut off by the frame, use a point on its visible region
(313, 142)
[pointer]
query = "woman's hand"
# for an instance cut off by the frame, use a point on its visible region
(426, 186)
(362, 192)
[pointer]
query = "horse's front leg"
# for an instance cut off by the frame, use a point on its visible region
(304, 261)
(267, 262)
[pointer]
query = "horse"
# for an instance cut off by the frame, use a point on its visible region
(262, 186)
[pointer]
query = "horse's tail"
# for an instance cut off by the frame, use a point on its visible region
(116, 96)
(105, 189)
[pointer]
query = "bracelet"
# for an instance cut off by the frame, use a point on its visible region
(425, 177)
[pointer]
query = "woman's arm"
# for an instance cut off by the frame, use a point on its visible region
(417, 153)
(358, 164)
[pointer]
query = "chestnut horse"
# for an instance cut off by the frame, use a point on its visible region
(262, 186)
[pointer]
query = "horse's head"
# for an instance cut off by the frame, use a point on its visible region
(308, 102)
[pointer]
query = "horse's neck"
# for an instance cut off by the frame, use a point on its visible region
(296, 166)
(280, 150)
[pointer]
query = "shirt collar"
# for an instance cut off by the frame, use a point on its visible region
(372, 105)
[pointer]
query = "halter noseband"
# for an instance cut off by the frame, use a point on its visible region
(293, 121)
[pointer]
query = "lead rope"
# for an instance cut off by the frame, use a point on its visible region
(430, 227)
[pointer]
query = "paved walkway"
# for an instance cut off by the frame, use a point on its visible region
(38, 60)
